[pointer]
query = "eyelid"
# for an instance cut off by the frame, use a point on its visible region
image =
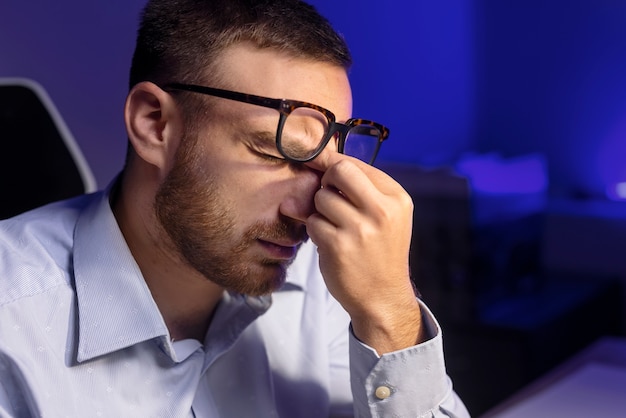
(269, 158)
(265, 147)
(273, 158)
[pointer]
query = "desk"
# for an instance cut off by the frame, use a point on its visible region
(494, 352)
(590, 384)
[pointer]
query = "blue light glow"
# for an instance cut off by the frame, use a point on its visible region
(617, 191)
(492, 174)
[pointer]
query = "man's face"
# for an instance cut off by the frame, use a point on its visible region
(234, 213)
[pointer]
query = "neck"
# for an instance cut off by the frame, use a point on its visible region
(185, 298)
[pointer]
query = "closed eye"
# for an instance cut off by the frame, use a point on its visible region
(271, 158)
(263, 144)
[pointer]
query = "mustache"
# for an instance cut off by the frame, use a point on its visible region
(281, 231)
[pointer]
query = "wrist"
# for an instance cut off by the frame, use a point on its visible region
(393, 329)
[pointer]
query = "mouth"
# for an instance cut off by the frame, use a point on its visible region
(283, 250)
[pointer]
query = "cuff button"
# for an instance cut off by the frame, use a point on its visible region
(382, 392)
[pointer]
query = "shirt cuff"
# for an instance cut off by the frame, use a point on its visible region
(408, 382)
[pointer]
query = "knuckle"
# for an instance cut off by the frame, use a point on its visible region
(406, 202)
(342, 167)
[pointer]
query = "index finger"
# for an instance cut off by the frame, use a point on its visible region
(357, 180)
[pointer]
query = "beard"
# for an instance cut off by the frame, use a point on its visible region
(200, 223)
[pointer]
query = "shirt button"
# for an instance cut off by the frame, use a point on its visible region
(383, 392)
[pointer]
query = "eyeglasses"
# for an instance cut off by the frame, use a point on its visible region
(304, 129)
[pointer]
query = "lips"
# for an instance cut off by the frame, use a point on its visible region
(280, 250)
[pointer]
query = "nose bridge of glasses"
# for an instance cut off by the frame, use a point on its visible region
(341, 129)
(340, 132)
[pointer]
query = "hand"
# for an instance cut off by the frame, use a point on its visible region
(362, 228)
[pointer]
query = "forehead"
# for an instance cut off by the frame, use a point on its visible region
(266, 72)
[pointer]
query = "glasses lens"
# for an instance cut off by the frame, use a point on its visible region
(362, 142)
(303, 132)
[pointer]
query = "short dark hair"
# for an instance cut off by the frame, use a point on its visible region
(179, 39)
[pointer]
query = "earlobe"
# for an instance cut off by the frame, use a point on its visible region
(152, 123)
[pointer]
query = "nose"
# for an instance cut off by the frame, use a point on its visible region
(298, 204)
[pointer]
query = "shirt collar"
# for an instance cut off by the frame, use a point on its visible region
(115, 307)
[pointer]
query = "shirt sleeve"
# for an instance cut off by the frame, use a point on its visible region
(406, 383)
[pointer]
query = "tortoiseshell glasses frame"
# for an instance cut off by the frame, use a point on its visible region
(285, 107)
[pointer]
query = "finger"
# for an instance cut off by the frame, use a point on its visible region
(352, 183)
(355, 185)
(321, 231)
(332, 204)
(328, 159)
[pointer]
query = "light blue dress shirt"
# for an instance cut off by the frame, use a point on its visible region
(81, 336)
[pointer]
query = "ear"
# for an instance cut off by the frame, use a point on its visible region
(153, 124)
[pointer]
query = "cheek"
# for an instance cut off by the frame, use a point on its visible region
(258, 200)
(256, 194)
(251, 190)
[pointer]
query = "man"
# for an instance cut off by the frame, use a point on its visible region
(177, 291)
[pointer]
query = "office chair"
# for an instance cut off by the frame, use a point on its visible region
(40, 161)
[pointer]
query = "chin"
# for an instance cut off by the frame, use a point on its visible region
(271, 282)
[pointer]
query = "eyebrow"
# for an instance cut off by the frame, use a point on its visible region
(265, 141)
(264, 137)
(294, 147)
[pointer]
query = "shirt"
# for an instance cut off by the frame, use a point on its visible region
(81, 336)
